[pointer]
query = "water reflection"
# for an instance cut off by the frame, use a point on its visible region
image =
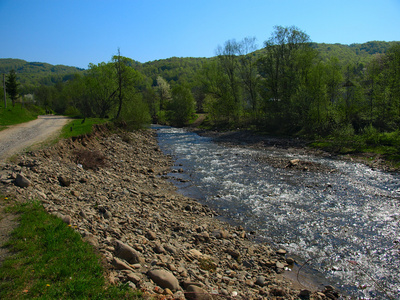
(345, 223)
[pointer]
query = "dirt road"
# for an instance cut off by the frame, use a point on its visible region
(18, 137)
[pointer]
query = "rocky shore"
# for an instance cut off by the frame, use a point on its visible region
(113, 189)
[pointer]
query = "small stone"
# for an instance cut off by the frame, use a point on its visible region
(171, 249)
(277, 292)
(151, 235)
(167, 291)
(75, 193)
(194, 292)
(234, 253)
(22, 181)
(164, 279)
(281, 252)
(220, 234)
(107, 215)
(66, 219)
(91, 239)
(279, 265)
(260, 281)
(127, 253)
(290, 261)
(195, 253)
(120, 265)
(134, 277)
(64, 181)
(83, 214)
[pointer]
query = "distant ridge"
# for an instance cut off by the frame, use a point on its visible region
(176, 69)
(36, 73)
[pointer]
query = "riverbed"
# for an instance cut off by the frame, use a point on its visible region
(341, 219)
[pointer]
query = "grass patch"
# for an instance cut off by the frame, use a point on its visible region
(17, 114)
(80, 127)
(51, 261)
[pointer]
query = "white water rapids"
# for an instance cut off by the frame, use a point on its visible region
(345, 224)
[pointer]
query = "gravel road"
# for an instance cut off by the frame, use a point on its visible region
(18, 137)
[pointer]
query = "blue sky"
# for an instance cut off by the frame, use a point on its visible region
(77, 33)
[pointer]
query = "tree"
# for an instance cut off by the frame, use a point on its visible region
(100, 91)
(12, 86)
(284, 68)
(126, 77)
(164, 92)
(248, 70)
(182, 105)
(228, 62)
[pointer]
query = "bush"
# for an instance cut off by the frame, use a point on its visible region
(371, 135)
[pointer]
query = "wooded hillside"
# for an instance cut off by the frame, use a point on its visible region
(177, 69)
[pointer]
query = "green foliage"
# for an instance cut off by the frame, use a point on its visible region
(17, 114)
(30, 75)
(135, 113)
(182, 106)
(12, 86)
(50, 261)
(80, 127)
(291, 86)
(354, 53)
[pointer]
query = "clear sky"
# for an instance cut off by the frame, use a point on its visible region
(79, 32)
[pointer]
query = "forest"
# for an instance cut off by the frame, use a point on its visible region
(340, 96)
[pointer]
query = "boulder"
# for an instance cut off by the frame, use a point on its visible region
(126, 252)
(22, 181)
(194, 292)
(164, 279)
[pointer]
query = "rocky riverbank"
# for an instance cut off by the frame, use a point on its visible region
(113, 189)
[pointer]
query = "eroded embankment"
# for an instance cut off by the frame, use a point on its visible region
(111, 189)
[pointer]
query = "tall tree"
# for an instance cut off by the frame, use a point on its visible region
(228, 62)
(248, 70)
(182, 105)
(12, 86)
(127, 79)
(164, 92)
(100, 90)
(284, 67)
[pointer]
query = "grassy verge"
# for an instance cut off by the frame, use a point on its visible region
(51, 261)
(79, 127)
(17, 114)
(385, 146)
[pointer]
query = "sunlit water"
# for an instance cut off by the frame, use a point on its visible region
(344, 224)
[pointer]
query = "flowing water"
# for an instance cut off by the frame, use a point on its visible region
(344, 224)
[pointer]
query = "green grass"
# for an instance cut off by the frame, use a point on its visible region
(76, 127)
(17, 114)
(51, 261)
(383, 145)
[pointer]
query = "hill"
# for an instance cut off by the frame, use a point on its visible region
(174, 69)
(178, 69)
(32, 74)
(354, 53)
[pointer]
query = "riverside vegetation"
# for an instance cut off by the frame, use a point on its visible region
(112, 189)
(342, 98)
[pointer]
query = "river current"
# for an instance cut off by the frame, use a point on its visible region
(343, 224)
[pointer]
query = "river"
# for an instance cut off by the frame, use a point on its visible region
(344, 223)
